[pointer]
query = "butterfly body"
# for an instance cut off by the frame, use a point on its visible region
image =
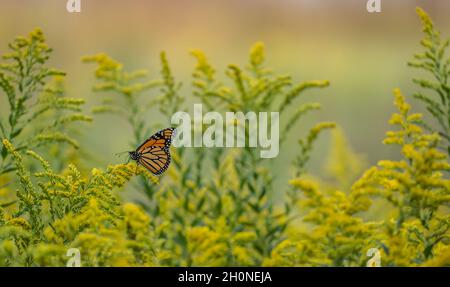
(134, 155)
(154, 153)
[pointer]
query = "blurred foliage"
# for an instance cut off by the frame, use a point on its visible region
(60, 211)
(415, 186)
(416, 232)
(214, 206)
(195, 197)
(39, 113)
(435, 61)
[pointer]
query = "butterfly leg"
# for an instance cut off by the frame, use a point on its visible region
(137, 166)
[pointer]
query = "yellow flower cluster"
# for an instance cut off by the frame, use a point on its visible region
(70, 211)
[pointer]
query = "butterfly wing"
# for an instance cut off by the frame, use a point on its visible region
(155, 159)
(162, 139)
(154, 152)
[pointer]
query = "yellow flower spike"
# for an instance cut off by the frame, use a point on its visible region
(409, 151)
(246, 236)
(257, 54)
(396, 119)
(400, 102)
(414, 117)
(20, 222)
(305, 185)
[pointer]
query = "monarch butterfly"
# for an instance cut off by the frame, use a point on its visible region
(154, 153)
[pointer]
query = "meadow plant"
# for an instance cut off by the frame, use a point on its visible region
(415, 186)
(435, 62)
(132, 102)
(195, 199)
(39, 113)
(58, 211)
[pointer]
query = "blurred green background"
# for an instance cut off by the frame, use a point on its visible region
(363, 55)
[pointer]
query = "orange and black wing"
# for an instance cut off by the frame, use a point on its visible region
(154, 152)
(155, 159)
(161, 139)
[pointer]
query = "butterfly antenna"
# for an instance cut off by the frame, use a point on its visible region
(120, 153)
